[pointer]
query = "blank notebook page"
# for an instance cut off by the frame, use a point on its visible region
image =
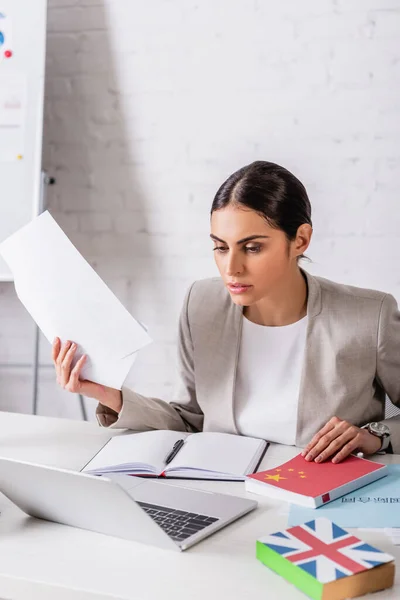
(219, 452)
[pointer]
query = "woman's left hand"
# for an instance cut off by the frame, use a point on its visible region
(339, 438)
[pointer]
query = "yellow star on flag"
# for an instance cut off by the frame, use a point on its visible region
(301, 472)
(278, 469)
(290, 469)
(303, 476)
(276, 477)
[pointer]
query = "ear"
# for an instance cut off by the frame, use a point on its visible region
(303, 239)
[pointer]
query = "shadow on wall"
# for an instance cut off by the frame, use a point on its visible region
(98, 198)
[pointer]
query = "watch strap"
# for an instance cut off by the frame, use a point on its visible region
(385, 443)
(385, 438)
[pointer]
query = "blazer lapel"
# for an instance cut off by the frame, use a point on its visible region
(311, 362)
(220, 366)
(237, 324)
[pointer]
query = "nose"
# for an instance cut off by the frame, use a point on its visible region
(234, 265)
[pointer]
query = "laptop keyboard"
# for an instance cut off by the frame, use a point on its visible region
(178, 524)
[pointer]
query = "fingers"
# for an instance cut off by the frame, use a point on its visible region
(55, 349)
(74, 383)
(352, 445)
(337, 438)
(62, 353)
(66, 364)
(328, 427)
(63, 356)
(59, 351)
(337, 445)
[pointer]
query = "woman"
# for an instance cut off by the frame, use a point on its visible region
(268, 350)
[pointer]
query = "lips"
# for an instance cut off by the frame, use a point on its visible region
(238, 288)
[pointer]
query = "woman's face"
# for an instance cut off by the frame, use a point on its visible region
(252, 257)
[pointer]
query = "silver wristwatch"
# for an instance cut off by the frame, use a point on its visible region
(381, 431)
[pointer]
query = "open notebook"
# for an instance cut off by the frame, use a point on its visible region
(205, 455)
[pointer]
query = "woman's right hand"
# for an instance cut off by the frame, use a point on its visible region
(68, 379)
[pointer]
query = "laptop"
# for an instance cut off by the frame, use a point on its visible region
(133, 508)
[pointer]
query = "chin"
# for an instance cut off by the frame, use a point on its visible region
(239, 301)
(242, 299)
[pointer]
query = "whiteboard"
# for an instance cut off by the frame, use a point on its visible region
(22, 67)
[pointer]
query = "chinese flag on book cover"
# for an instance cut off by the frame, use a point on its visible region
(313, 484)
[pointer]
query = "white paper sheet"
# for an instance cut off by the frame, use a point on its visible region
(67, 298)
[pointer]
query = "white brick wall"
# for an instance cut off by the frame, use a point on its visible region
(151, 105)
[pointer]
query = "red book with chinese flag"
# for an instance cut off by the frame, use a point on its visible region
(313, 484)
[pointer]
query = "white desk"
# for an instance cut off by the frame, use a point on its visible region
(46, 561)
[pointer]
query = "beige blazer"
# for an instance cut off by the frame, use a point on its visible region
(352, 358)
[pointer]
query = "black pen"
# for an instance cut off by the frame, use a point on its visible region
(177, 446)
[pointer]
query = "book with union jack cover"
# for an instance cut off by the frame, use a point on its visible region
(313, 484)
(325, 561)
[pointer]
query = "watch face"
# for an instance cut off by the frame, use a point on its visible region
(379, 428)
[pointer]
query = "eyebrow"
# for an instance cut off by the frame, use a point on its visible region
(242, 241)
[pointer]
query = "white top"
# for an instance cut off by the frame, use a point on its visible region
(268, 380)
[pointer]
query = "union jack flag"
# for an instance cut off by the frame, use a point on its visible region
(325, 550)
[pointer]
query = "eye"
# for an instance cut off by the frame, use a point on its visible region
(252, 249)
(220, 249)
